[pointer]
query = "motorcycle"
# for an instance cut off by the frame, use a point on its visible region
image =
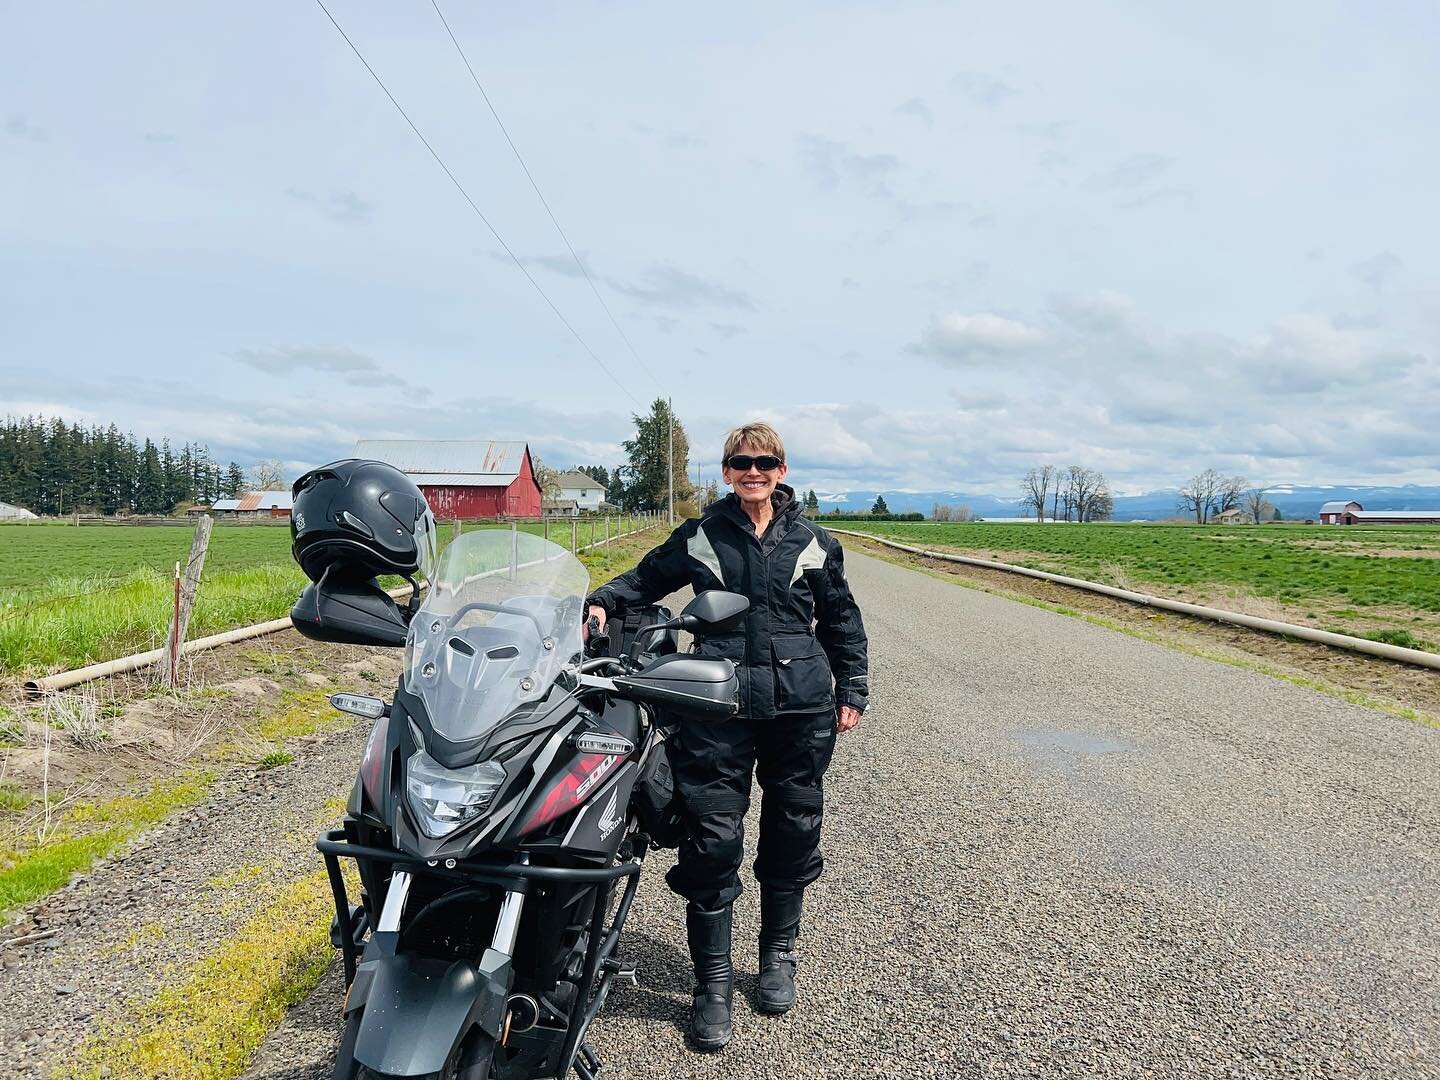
(504, 806)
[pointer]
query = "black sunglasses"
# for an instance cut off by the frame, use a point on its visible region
(742, 462)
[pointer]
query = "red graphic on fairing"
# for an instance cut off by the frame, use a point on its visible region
(584, 774)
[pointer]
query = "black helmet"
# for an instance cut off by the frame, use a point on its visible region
(365, 517)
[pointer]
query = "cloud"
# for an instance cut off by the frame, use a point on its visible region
(672, 140)
(157, 137)
(665, 324)
(830, 162)
(354, 368)
(344, 207)
(917, 108)
(16, 126)
(1147, 198)
(982, 336)
(667, 285)
(1378, 270)
(984, 90)
(563, 265)
(849, 283)
(727, 330)
(1135, 171)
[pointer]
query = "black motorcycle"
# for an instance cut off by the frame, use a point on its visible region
(504, 807)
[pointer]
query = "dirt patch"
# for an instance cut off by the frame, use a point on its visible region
(1401, 685)
(112, 737)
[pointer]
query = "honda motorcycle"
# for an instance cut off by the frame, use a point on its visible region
(505, 803)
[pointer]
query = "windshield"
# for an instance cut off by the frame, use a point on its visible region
(500, 620)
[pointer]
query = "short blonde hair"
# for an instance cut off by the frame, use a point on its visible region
(760, 435)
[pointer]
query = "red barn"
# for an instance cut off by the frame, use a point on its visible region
(464, 478)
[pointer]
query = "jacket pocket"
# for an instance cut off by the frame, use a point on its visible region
(802, 674)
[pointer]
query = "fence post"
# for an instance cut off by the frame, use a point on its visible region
(546, 526)
(574, 528)
(607, 530)
(186, 586)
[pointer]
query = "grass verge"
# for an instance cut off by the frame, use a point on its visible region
(1354, 697)
(90, 831)
(209, 1024)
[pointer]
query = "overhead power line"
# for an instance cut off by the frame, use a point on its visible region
(539, 195)
(478, 212)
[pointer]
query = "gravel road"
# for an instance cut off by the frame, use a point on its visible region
(1056, 850)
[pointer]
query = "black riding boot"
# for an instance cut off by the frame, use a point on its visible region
(779, 927)
(709, 933)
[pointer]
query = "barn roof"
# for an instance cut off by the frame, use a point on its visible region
(1398, 515)
(456, 462)
(1339, 507)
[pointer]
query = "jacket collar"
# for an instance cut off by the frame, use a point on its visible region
(783, 501)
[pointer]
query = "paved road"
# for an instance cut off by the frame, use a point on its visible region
(1056, 850)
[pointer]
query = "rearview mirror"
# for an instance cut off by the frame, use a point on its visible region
(349, 613)
(714, 611)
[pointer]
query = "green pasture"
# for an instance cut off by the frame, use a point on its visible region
(71, 596)
(1382, 581)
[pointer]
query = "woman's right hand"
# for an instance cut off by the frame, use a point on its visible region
(598, 613)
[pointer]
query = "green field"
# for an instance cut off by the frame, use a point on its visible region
(1379, 581)
(71, 596)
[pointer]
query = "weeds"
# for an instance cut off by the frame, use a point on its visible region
(276, 758)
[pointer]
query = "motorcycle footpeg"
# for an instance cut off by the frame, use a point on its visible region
(623, 971)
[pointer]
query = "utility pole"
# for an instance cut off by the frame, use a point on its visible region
(670, 458)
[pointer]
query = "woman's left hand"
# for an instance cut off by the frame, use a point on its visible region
(848, 717)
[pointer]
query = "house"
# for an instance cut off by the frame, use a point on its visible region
(1233, 516)
(559, 508)
(1352, 513)
(255, 504)
(464, 478)
(585, 490)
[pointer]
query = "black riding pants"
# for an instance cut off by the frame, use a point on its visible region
(712, 761)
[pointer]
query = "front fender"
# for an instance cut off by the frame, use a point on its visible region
(417, 1009)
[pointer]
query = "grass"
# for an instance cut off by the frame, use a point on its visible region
(89, 831)
(70, 597)
(275, 758)
(1354, 697)
(209, 1024)
(1384, 575)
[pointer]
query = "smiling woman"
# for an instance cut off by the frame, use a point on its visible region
(803, 664)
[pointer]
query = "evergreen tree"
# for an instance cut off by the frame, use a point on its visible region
(234, 484)
(879, 507)
(812, 502)
(647, 484)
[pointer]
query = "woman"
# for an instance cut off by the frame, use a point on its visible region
(801, 657)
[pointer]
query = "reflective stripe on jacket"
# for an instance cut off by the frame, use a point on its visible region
(802, 647)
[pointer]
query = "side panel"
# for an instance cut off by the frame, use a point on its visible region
(600, 825)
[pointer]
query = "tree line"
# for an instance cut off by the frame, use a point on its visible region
(1209, 495)
(51, 467)
(1074, 493)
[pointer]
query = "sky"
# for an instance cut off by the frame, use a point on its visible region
(934, 244)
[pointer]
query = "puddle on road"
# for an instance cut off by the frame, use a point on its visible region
(1070, 742)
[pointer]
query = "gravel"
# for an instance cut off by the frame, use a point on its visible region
(1056, 850)
(142, 917)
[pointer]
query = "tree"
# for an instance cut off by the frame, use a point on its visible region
(598, 473)
(879, 507)
(647, 482)
(812, 502)
(941, 512)
(233, 486)
(1208, 494)
(1086, 493)
(1034, 487)
(547, 478)
(964, 513)
(1258, 506)
(267, 475)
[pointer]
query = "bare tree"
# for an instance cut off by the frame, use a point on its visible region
(268, 475)
(1258, 506)
(1034, 488)
(964, 513)
(1209, 494)
(1102, 505)
(546, 478)
(1198, 495)
(940, 512)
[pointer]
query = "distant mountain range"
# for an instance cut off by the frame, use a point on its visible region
(1293, 501)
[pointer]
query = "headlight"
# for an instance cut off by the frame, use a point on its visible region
(444, 799)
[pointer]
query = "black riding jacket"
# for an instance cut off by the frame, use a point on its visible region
(803, 627)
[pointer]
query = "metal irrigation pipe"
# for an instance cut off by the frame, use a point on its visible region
(63, 680)
(1418, 657)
